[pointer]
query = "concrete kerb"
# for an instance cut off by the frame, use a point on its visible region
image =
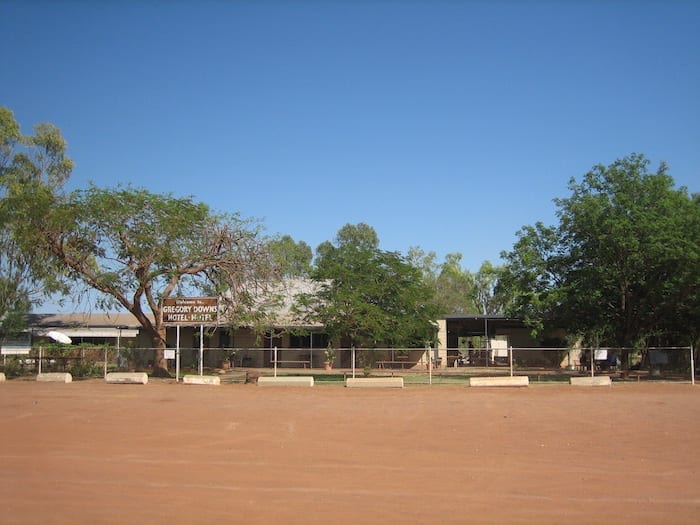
(55, 377)
(127, 378)
(285, 381)
(591, 381)
(374, 382)
(200, 380)
(517, 381)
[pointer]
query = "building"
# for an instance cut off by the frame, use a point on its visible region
(464, 340)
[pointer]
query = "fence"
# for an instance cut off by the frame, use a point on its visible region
(418, 365)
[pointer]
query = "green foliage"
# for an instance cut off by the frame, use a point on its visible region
(28, 164)
(451, 284)
(367, 295)
(134, 247)
(12, 367)
(454, 286)
(293, 259)
(529, 278)
(457, 290)
(83, 369)
(622, 263)
(485, 292)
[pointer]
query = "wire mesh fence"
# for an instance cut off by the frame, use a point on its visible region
(416, 365)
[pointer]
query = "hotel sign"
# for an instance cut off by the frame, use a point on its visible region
(191, 310)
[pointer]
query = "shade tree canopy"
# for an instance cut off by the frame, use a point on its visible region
(134, 247)
(368, 296)
(621, 264)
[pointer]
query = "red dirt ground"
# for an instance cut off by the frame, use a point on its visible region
(90, 452)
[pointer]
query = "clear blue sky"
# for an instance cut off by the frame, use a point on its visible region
(442, 124)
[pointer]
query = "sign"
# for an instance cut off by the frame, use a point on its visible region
(191, 310)
(499, 347)
(16, 346)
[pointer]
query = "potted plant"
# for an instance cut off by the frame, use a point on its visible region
(226, 358)
(329, 357)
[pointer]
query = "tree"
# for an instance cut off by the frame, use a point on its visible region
(368, 295)
(139, 248)
(529, 278)
(293, 258)
(457, 290)
(622, 262)
(134, 247)
(25, 278)
(445, 279)
(485, 290)
(454, 286)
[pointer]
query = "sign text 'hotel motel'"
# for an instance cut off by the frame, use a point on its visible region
(191, 310)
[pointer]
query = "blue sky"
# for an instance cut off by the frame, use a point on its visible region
(446, 125)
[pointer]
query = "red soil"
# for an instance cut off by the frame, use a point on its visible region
(89, 452)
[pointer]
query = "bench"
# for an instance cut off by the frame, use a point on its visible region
(382, 364)
(632, 374)
(306, 362)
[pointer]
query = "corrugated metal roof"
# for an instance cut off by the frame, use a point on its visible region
(76, 320)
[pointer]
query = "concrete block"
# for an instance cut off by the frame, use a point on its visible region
(374, 382)
(2, 376)
(499, 381)
(286, 381)
(127, 378)
(591, 381)
(201, 380)
(55, 377)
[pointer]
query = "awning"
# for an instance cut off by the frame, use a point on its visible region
(92, 332)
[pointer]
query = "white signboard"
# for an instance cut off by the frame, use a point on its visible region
(600, 355)
(191, 310)
(499, 347)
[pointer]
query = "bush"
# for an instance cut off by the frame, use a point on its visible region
(12, 368)
(85, 369)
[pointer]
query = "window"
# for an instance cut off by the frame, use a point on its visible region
(308, 341)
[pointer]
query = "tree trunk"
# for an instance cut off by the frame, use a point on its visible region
(625, 359)
(160, 364)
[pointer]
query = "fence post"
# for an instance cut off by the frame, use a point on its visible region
(177, 354)
(353, 361)
(510, 359)
(428, 354)
(692, 365)
(201, 349)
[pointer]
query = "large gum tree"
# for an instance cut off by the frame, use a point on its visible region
(26, 277)
(137, 248)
